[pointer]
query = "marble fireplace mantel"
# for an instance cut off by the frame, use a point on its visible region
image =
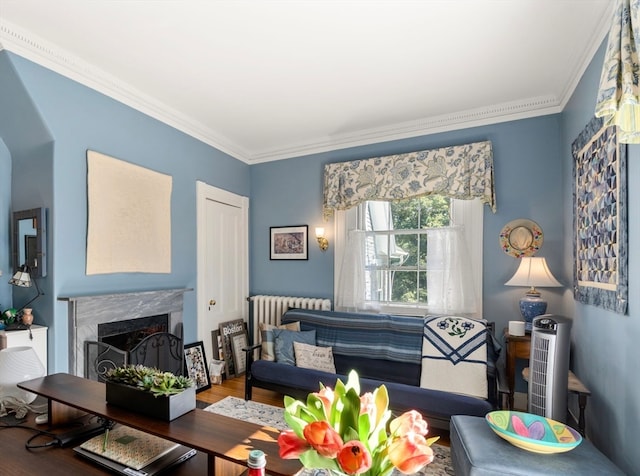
(86, 312)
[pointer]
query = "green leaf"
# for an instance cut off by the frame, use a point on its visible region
(350, 412)
(381, 400)
(315, 406)
(311, 459)
(354, 381)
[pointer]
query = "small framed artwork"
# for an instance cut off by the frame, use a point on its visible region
(238, 342)
(227, 330)
(216, 345)
(195, 363)
(289, 242)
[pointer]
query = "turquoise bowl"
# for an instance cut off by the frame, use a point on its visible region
(533, 433)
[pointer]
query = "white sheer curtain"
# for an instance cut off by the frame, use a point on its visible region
(353, 277)
(450, 286)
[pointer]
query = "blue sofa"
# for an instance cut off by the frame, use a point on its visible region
(382, 348)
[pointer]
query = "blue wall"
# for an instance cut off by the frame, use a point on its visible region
(605, 351)
(80, 118)
(5, 214)
(528, 177)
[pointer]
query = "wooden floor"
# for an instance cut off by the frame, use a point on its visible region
(235, 387)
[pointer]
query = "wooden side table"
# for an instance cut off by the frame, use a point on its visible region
(518, 347)
(574, 386)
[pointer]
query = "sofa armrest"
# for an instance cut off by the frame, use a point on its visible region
(249, 354)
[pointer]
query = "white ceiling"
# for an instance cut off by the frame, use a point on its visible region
(266, 80)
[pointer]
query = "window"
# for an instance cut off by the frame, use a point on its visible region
(396, 246)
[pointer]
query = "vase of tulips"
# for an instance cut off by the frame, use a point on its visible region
(346, 433)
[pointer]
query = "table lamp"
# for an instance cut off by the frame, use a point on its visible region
(18, 364)
(532, 272)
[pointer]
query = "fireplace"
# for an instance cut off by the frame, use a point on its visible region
(125, 335)
(87, 313)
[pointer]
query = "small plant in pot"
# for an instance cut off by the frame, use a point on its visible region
(150, 391)
(149, 379)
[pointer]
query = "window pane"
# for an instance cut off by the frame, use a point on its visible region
(405, 286)
(406, 250)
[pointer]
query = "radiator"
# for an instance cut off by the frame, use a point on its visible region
(269, 309)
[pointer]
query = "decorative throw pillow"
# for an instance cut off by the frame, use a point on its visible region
(284, 340)
(268, 341)
(313, 357)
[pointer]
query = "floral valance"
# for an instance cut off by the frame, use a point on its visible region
(462, 171)
(618, 100)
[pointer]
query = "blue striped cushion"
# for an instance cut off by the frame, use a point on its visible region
(374, 336)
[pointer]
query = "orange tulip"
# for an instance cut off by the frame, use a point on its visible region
(323, 438)
(291, 445)
(410, 453)
(407, 423)
(354, 458)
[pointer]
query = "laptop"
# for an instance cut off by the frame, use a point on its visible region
(131, 452)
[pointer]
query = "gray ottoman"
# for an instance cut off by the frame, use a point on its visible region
(477, 451)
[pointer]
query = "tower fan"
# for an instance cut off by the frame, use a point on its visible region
(549, 366)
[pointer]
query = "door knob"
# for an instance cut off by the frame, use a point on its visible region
(212, 302)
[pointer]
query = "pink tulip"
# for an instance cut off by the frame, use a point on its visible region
(410, 453)
(323, 438)
(368, 406)
(326, 395)
(354, 458)
(407, 423)
(291, 446)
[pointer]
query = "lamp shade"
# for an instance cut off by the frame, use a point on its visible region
(18, 364)
(22, 278)
(533, 272)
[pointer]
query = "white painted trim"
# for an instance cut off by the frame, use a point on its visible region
(206, 192)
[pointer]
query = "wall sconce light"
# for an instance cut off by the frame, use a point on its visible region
(323, 243)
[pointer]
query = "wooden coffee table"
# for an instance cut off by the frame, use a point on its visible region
(217, 436)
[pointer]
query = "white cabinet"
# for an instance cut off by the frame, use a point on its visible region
(21, 338)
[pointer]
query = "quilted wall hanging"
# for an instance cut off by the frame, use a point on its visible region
(600, 245)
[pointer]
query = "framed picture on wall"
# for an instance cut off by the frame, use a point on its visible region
(196, 368)
(289, 242)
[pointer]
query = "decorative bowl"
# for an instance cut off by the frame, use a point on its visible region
(533, 433)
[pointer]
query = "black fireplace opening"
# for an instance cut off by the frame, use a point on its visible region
(125, 335)
(144, 340)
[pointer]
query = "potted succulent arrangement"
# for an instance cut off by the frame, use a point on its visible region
(150, 391)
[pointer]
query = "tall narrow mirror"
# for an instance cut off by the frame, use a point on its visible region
(29, 241)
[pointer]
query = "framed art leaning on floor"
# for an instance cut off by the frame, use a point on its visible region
(196, 368)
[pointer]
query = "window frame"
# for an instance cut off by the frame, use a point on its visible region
(468, 213)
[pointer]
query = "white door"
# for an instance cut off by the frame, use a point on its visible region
(223, 255)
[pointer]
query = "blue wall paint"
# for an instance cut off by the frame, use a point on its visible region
(289, 192)
(605, 352)
(80, 119)
(5, 226)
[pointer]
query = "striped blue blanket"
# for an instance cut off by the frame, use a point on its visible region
(375, 336)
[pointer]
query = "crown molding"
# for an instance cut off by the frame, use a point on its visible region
(54, 58)
(431, 125)
(44, 53)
